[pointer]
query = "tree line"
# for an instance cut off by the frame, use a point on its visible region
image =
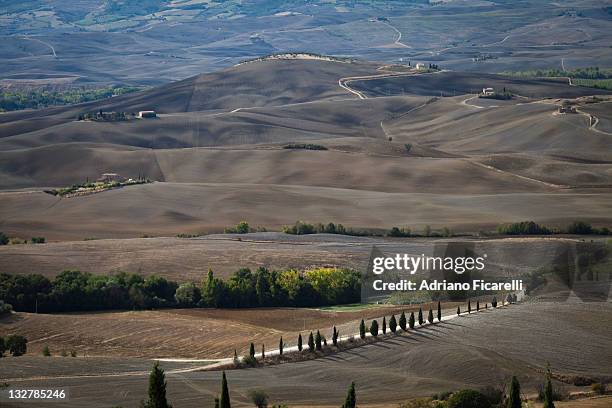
(80, 291)
(532, 228)
(40, 98)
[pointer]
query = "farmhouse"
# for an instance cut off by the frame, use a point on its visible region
(567, 107)
(488, 91)
(147, 114)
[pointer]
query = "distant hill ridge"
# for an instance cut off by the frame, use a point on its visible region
(297, 56)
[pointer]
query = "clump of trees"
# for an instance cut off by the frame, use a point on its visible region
(523, 228)
(4, 239)
(305, 228)
(78, 291)
(101, 116)
(42, 97)
(5, 309)
(15, 344)
(532, 228)
(305, 146)
(241, 228)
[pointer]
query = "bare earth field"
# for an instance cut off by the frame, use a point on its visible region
(216, 154)
(182, 333)
(485, 348)
(188, 259)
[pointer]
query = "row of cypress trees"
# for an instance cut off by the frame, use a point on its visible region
(317, 341)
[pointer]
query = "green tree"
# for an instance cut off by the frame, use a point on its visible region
(421, 321)
(468, 399)
(458, 310)
(478, 306)
(300, 342)
(2, 346)
(430, 317)
(351, 398)
(494, 302)
(392, 324)
(318, 340)
(439, 312)
(46, 352)
(548, 390)
(224, 399)
(242, 227)
(411, 320)
(374, 328)
(311, 344)
(259, 398)
(187, 295)
(469, 306)
(514, 395)
(157, 388)
(402, 321)
(16, 345)
(335, 337)
(280, 346)
(262, 287)
(384, 325)
(3, 239)
(362, 329)
(252, 351)
(263, 351)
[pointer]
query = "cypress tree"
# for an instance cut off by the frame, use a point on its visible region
(335, 337)
(411, 320)
(224, 400)
(374, 328)
(430, 316)
(318, 340)
(402, 321)
(362, 329)
(421, 321)
(311, 342)
(439, 312)
(469, 306)
(477, 306)
(351, 400)
(384, 328)
(300, 342)
(157, 388)
(263, 351)
(235, 356)
(392, 324)
(548, 390)
(280, 346)
(252, 351)
(514, 395)
(458, 310)
(486, 305)
(494, 302)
